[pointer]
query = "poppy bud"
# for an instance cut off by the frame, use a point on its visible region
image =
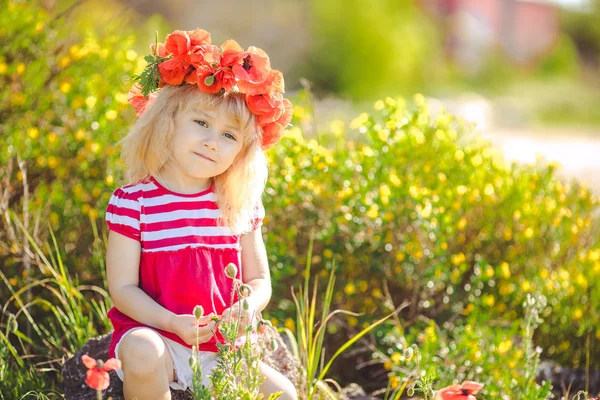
(410, 391)
(261, 327)
(273, 345)
(266, 322)
(231, 270)
(245, 290)
(192, 361)
(245, 305)
(199, 311)
(408, 353)
(209, 80)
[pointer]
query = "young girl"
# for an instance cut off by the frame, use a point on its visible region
(196, 169)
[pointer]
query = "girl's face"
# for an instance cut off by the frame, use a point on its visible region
(205, 143)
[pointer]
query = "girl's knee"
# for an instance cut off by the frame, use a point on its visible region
(142, 352)
(289, 391)
(276, 382)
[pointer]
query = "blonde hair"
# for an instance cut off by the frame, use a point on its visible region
(147, 148)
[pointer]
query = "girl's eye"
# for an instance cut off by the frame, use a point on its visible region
(230, 136)
(201, 121)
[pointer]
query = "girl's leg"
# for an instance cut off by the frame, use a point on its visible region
(276, 382)
(147, 366)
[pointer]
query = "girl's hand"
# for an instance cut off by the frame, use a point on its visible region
(246, 318)
(185, 327)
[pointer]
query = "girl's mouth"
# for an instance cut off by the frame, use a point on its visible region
(206, 158)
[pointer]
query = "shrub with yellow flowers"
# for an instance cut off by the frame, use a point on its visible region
(417, 207)
(63, 104)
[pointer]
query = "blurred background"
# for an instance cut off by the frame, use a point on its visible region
(525, 71)
(443, 153)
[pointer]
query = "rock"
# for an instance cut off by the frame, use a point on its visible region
(75, 388)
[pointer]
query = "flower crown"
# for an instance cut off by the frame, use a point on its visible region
(187, 57)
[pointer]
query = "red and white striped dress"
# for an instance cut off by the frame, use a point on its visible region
(184, 251)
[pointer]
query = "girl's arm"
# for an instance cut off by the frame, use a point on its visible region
(122, 274)
(255, 268)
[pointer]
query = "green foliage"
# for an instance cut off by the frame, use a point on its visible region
(307, 344)
(237, 371)
(63, 104)
(363, 49)
(471, 350)
(63, 315)
(410, 199)
(149, 78)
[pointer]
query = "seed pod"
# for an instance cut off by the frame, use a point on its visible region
(231, 270)
(262, 327)
(199, 311)
(245, 290)
(192, 361)
(209, 80)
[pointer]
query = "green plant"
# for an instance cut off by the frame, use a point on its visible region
(237, 371)
(525, 387)
(73, 313)
(307, 344)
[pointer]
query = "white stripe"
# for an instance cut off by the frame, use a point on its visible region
(146, 187)
(180, 214)
(122, 220)
(188, 231)
(169, 198)
(125, 203)
(181, 246)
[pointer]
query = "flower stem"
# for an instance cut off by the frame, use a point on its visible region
(99, 394)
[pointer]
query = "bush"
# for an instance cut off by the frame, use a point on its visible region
(63, 103)
(417, 203)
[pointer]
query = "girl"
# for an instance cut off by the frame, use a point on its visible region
(196, 169)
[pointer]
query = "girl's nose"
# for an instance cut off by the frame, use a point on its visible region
(210, 141)
(210, 144)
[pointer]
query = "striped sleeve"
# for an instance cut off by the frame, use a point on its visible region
(259, 215)
(123, 214)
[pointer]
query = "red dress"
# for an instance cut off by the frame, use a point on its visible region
(184, 251)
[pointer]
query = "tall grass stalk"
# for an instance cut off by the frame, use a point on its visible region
(307, 344)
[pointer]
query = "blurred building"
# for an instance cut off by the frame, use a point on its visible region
(523, 30)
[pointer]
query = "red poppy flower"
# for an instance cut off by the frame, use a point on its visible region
(199, 37)
(138, 101)
(253, 66)
(162, 50)
(186, 48)
(266, 107)
(232, 53)
(273, 131)
(96, 376)
(273, 83)
(466, 391)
